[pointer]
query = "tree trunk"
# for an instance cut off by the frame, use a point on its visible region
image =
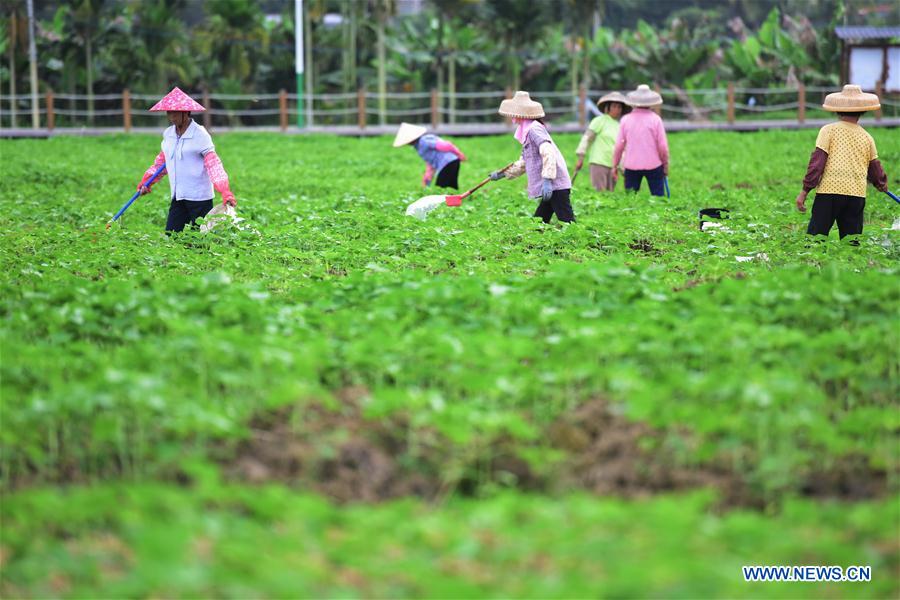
(309, 67)
(12, 71)
(346, 9)
(89, 58)
(451, 86)
(574, 77)
(586, 63)
(382, 71)
(353, 29)
(514, 68)
(32, 68)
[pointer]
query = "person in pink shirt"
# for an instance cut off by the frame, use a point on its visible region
(642, 138)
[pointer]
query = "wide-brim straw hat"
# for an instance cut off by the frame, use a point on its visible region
(521, 106)
(613, 97)
(178, 101)
(851, 99)
(643, 97)
(408, 133)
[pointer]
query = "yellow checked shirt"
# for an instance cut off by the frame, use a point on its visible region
(850, 149)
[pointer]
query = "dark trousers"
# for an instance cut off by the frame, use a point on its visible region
(182, 212)
(448, 176)
(655, 180)
(828, 208)
(559, 203)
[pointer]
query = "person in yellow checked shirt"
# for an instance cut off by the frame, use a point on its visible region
(599, 139)
(844, 159)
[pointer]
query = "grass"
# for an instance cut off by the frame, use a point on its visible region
(140, 372)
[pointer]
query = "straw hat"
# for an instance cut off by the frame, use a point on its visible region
(521, 106)
(851, 99)
(643, 97)
(614, 97)
(408, 133)
(178, 101)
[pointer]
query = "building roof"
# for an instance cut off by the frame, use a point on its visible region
(867, 33)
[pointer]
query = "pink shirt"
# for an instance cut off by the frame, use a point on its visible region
(644, 135)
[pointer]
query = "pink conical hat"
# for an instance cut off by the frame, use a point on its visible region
(178, 101)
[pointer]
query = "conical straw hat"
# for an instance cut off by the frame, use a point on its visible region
(643, 97)
(614, 97)
(408, 133)
(178, 101)
(851, 99)
(521, 106)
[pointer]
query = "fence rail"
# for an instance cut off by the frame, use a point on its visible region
(365, 108)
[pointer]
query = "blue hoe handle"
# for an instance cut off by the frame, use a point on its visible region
(137, 193)
(666, 181)
(894, 196)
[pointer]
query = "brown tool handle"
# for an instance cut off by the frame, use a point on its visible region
(484, 182)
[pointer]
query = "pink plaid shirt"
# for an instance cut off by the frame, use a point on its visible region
(642, 137)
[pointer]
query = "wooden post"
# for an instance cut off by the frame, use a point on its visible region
(361, 108)
(801, 104)
(582, 101)
(435, 106)
(126, 110)
(731, 102)
(51, 118)
(207, 118)
(508, 93)
(658, 90)
(282, 109)
(879, 90)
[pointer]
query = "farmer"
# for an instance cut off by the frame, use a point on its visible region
(599, 139)
(642, 137)
(440, 156)
(843, 160)
(191, 162)
(541, 160)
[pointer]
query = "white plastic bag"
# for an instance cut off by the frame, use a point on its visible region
(218, 215)
(421, 207)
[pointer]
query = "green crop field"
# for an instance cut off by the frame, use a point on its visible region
(335, 399)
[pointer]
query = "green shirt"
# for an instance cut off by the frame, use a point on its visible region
(607, 129)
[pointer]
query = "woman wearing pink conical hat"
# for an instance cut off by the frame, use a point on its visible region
(191, 163)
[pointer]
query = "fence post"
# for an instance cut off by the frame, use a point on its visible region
(282, 109)
(126, 110)
(435, 105)
(879, 89)
(658, 90)
(51, 118)
(730, 102)
(207, 118)
(361, 108)
(801, 104)
(582, 100)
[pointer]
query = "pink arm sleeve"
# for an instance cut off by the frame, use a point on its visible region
(160, 161)
(620, 146)
(445, 146)
(662, 143)
(217, 173)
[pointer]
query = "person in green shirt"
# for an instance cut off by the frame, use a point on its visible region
(600, 138)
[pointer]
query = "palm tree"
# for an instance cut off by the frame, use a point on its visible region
(87, 23)
(518, 24)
